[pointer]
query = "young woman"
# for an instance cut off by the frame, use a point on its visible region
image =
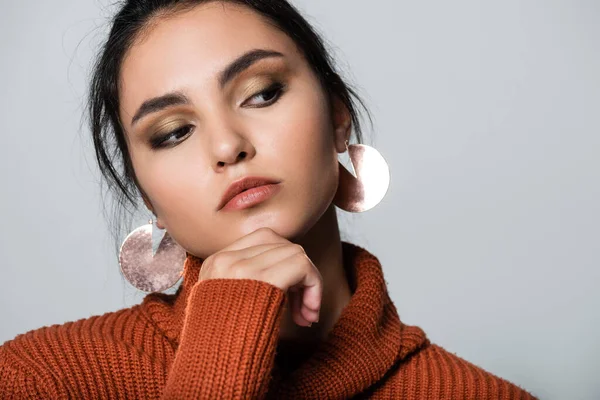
(227, 118)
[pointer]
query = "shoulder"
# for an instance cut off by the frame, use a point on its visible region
(109, 327)
(61, 355)
(434, 372)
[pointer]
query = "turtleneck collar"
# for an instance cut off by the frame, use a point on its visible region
(366, 342)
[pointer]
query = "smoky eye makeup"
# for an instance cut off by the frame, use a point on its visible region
(173, 131)
(261, 93)
(268, 74)
(259, 83)
(170, 132)
(261, 88)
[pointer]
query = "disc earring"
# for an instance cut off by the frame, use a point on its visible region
(146, 271)
(369, 184)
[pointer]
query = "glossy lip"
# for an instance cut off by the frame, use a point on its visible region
(243, 184)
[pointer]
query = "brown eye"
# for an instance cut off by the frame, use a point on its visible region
(172, 138)
(269, 96)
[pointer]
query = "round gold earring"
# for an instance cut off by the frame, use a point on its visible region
(146, 271)
(366, 187)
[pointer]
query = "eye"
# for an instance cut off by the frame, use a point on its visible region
(172, 138)
(269, 96)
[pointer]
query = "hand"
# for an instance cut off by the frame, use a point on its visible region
(266, 256)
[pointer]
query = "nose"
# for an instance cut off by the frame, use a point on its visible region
(229, 145)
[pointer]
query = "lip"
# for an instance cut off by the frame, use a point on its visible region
(248, 191)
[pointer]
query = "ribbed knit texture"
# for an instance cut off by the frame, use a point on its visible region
(218, 339)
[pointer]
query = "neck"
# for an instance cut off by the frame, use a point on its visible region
(323, 246)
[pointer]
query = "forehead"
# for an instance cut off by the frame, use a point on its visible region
(188, 49)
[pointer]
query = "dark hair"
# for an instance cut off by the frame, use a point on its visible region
(132, 20)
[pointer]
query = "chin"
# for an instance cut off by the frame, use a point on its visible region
(291, 221)
(288, 222)
(252, 219)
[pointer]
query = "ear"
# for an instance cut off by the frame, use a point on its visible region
(148, 204)
(342, 123)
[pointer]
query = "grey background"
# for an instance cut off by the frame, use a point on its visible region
(487, 112)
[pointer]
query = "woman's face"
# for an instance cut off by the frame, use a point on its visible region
(272, 108)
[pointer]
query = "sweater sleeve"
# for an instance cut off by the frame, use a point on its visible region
(228, 340)
(18, 382)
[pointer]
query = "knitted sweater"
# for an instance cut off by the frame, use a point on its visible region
(219, 339)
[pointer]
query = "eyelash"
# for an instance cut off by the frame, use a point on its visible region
(278, 87)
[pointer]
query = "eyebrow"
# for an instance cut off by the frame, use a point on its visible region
(175, 98)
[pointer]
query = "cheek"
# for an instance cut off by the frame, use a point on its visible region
(173, 179)
(304, 127)
(305, 147)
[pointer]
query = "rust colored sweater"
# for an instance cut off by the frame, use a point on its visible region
(219, 339)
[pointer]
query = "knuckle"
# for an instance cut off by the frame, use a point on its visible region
(206, 268)
(298, 249)
(219, 264)
(219, 258)
(236, 270)
(264, 230)
(266, 233)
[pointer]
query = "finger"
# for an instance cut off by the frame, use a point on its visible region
(295, 299)
(307, 313)
(308, 277)
(257, 237)
(313, 289)
(240, 263)
(252, 251)
(228, 258)
(276, 255)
